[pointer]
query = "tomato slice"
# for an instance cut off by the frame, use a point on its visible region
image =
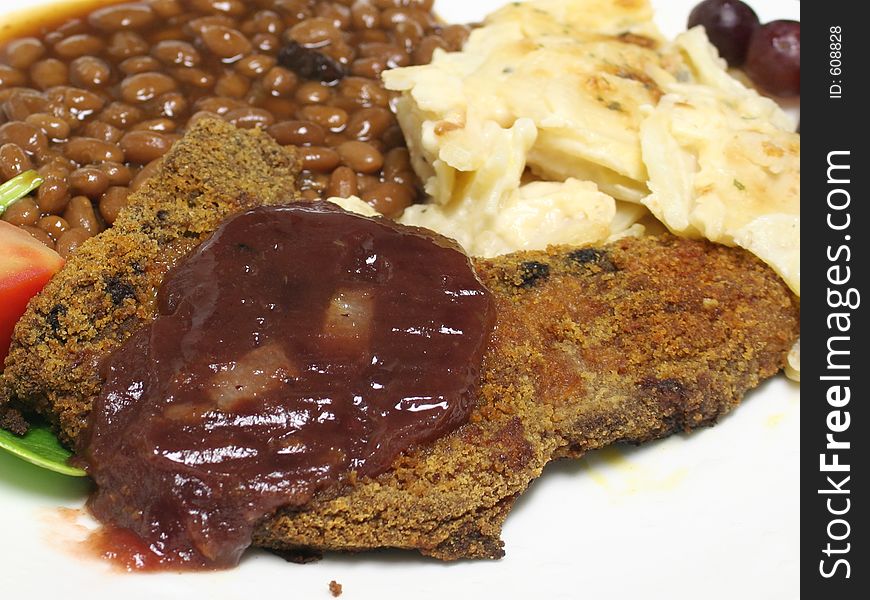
(26, 265)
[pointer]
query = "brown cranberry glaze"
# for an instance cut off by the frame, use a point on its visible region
(298, 345)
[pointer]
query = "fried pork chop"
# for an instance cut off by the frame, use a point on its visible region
(625, 343)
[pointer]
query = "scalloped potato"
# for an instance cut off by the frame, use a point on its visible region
(575, 91)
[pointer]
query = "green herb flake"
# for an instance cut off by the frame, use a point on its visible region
(40, 447)
(16, 188)
(739, 185)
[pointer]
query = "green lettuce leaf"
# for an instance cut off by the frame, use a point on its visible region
(41, 447)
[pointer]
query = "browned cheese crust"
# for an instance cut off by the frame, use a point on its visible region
(107, 289)
(627, 343)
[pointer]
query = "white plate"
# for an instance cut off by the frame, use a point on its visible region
(714, 514)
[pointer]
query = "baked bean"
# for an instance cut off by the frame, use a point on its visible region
(297, 133)
(361, 157)
(166, 8)
(422, 54)
(368, 67)
(233, 8)
(232, 85)
(396, 161)
(386, 4)
(279, 81)
(112, 202)
(25, 136)
(329, 117)
(266, 42)
(194, 77)
(49, 73)
(342, 183)
(225, 42)
(339, 14)
(267, 21)
(52, 196)
(11, 77)
(144, 175)
(196, 26)
(144, 146)
(309, 195)
(340, 51)
(13, 161)
(121, 16)
(313, 92)
(372, 35)
(296, 10)
(408, 35)
(176, 53)
(84, 150)
(390, 54)
(169, 106)
(80, 213)
(394, 16)
(89, 71)
(22, 212)
(314, 33)
(389, 199)
(70, 240)
(80, 103)
(199, 116)
(22, 102)
(217, 105)
(145, 86)
(117, 173)
(55, 129)
(249, 118)
(364, 15)
(88, 181)
(455, 36)
(364, 92)
(407, 178)
(162, 125)
(53, 225)
(320, 181)
(125, 44)
(282, 108)
(319, 158)
(23, 52)
(139, 64)
(255, 64)
(121, 115)
(366, 182)
(39, 234)
(334, 140)
(102, 131)
(79, 45)
(392, 138)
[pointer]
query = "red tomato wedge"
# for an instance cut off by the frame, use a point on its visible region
(26, 265)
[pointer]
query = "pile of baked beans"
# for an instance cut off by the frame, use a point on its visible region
(93, 103)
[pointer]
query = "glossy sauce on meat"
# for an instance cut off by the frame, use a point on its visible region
(298, 345)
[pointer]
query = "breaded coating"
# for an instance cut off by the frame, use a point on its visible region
(107, 289)
(625, 343)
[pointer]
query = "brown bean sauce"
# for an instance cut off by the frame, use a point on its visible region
(79, 85)
(296, 346)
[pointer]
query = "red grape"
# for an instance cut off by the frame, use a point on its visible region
(729, 24)
(773, 60)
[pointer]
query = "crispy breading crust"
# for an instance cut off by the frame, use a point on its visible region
(106, 290)
(627, 343)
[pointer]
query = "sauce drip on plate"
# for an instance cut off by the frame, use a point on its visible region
(297, 345)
